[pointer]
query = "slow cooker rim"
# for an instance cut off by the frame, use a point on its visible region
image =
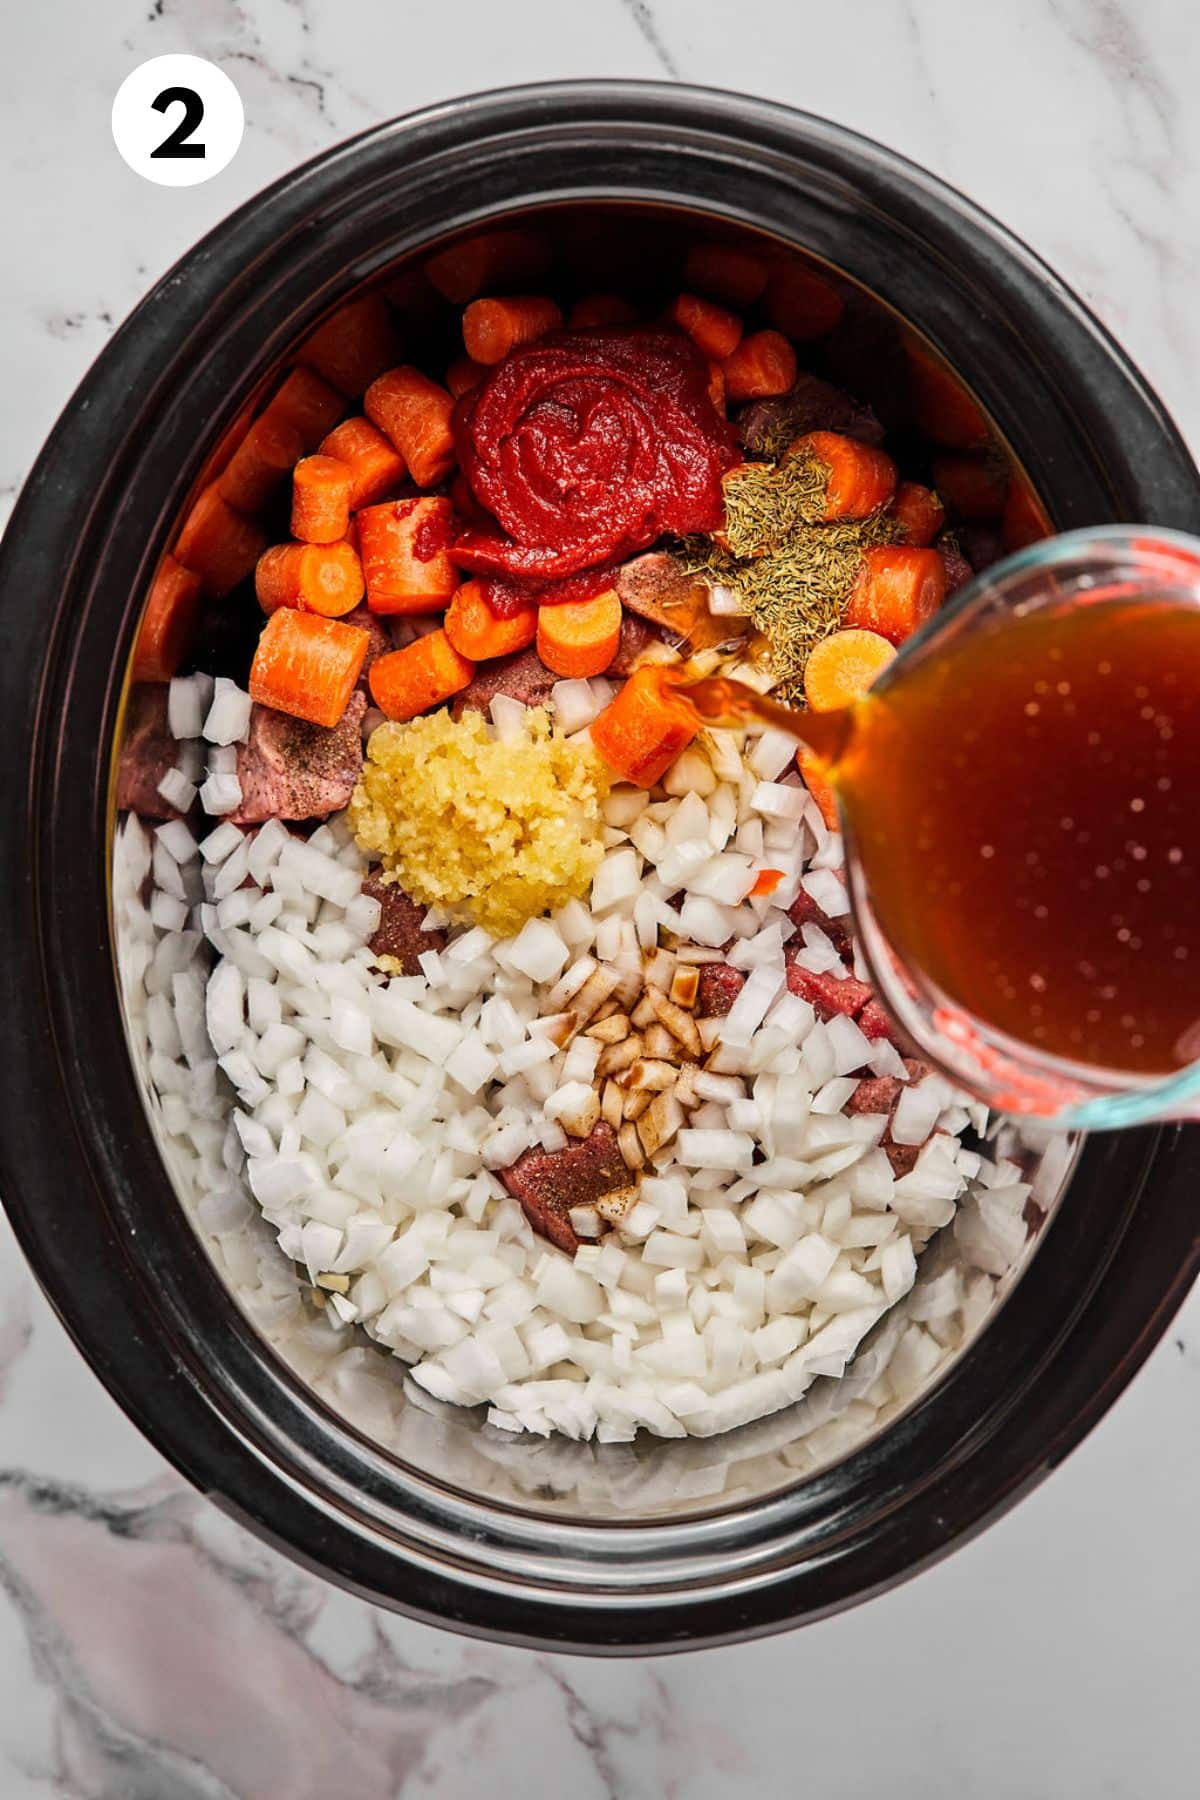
(25, 1222)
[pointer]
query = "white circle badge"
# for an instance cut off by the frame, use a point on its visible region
(177, 120)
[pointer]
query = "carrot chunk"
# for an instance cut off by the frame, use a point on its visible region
(812, 768)
(307, 666)
(1026, 520)
(862, 478)
(412, 297)
(375, 465)
(219, 544)
(411, 681)
(308, 404)
(166, 628)
(972, 485)
(463, 375)
(578, 638)
(764, 364)
(477, 632)
(918, 512)
(405, 547)
(942, 407)
(842, 667)
(802, 305)
(465, 269)
(644, 728)
(319, 578)
(491, 328)
(735, 276)
(414, 413)
(765, 882)
(601, 309)
(354, 345)
(712, 329)
(230, 441)
(898, 588)
(259, 465)
(466, 506)
(320, 500)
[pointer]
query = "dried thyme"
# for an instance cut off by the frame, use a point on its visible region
(765, 503)
(776, 437)
(812, 405)
(795, 594)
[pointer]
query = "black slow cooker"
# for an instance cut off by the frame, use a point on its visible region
(612, 1547)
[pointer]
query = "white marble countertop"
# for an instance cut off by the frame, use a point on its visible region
(149, 1650)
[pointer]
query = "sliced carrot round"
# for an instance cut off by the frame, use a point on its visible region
(405, 550)
(763, 365)
(918, 512)
(420, 676)
(601, 309)
(641, 732)
(321, 487)
(476, 630)
(861, 479)
(307, 666)
(319, 578)
(264, 458)
(491, 328)
(354, 345)
(166, 629)
(713, 329)
(973, 485)
(413, 413)
(309, 405)
(464, 269)
(218, 543)
(464, 374)
(1026, 520)
(842, 667)
(943, 408)
(735, 276)
(898, 588)
(801, 304)
(375, 465)
(578, 638)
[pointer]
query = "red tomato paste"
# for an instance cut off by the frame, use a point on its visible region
(587, 446)
(507, 597)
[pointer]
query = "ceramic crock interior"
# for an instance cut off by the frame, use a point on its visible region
(639, 251)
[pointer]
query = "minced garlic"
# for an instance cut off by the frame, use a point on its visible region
(494, 831)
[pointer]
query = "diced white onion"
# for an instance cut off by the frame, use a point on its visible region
(379, 1119)
(177, 790)
(221, 794)
(228, 720)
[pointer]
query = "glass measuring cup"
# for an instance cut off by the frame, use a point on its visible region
(1010, 1074)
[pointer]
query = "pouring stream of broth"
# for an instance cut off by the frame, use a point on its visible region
(1025, 807)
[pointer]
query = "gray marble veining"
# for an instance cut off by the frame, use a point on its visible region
(149, 1649)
